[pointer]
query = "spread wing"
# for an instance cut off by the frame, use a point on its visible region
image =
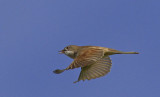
(98, 69)
(86, 57)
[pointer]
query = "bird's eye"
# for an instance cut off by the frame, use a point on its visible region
(66, 48)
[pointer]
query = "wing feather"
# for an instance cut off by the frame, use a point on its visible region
(98, 69)
(86, 58)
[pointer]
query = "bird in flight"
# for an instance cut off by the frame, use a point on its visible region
(93, 60)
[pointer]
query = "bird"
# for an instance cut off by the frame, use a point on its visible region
(94, 61)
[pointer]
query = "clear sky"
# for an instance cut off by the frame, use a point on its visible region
(33, 31)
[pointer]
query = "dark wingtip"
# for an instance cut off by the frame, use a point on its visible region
(75, 82)
(58, 71)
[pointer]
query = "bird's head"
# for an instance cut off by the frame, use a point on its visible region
(70, 51)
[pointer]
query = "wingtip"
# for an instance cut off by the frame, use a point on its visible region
(75, 82)
(58, 71)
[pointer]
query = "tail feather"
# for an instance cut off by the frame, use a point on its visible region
(126, 53)
(113, 51)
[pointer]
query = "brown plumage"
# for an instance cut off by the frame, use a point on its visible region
(93, 60)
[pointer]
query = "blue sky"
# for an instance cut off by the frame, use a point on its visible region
(33, 31)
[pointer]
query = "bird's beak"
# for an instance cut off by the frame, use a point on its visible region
(61, 52)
